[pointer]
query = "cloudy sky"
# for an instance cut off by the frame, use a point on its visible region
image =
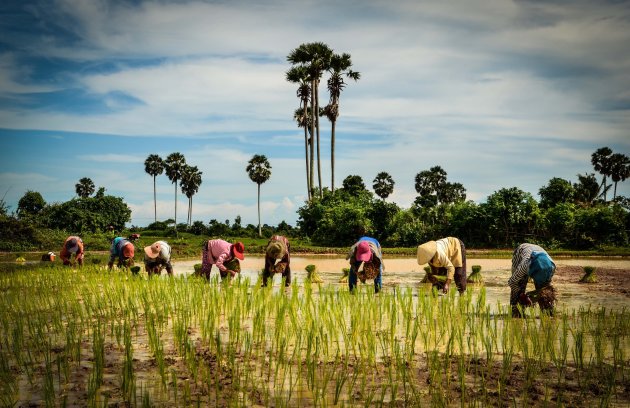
(498, 93)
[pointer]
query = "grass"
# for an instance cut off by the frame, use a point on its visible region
(91, 337)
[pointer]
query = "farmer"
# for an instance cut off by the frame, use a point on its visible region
(367, 251)
(122, 250)
(219, 252)
(72, 245)
(278, 248)
(446, 257)
(529, 260)
(157, 256)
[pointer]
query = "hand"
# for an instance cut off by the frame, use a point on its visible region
(524, 300)
(231, 272)
(446, 286)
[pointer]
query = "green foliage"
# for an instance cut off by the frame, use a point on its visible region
(90, 214)
(557, 191)
(513, 215)
(30, 204)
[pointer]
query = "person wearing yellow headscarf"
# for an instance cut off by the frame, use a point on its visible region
(446, 257)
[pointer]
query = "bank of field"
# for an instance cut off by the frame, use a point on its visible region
(95, 338)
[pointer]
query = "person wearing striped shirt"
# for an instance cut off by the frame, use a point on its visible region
(528, 260)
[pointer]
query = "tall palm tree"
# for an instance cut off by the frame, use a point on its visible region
(339, 65)
(619, 169)
(299, 75)
(259, 171)
(173, 166)
(304, 120)
(154, 166)
(601, 163)
(85, 187)
(383, 185)
(191, 180)
(315, 57)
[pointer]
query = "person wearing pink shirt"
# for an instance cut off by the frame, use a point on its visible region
(219, 252)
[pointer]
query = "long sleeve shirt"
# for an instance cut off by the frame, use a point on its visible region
(448, 255)
(217, 253)
(164, 257)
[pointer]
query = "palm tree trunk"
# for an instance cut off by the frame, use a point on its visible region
(175, 207)
(189, 211)
(332, 156)
(154, 200)
(615, 192)
(312, 158)
(319, 163)
(259, 228)
(308, 185)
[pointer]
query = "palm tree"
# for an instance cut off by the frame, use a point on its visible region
(383, 185)
(619, 169)
(85, 187)
(191, 180)
(586, 189)
(259, 171)
(299, 75)
(154, 166)
(315, 58)
(339, 65)
(601, 163)
(173, 165)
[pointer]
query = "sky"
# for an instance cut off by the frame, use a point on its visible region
(498, 93)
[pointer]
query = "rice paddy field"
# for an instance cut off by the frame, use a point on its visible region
(91, 337)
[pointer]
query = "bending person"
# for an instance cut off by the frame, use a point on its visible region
(72, 245)
(530, 260)
(156, 257)
(219, 252)
(278, 248)
(446, 257)
(366, 251)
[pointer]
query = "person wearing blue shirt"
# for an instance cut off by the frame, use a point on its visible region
(366, 251)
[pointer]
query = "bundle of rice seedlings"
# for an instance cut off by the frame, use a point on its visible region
(313, 274)
(475, 276)
(545, 297)
(135, 270)
(280, 267)
(197, 268)
(589, 275)
(20, 259)
(371, 269)
(346, 274)
(427, 271)
(233, 265)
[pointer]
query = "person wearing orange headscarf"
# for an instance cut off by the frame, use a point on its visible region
(72, 245)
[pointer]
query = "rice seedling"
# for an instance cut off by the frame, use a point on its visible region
(589, 275)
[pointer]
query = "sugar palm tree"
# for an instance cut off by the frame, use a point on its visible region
(191, 180)
(315, 58)
(619, 169)
(154, 166)
(173, 165)
(259, 171)
(85, 187)
(601, 163)
(339, 66)
(299, 75)
(383, 185)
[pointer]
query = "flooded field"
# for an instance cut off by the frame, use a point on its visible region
(405, 272)
(92, 337)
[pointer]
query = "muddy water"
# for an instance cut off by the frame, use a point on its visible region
(405, 272)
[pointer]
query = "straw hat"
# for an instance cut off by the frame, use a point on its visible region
(153, 250)
(276, 250)
(426, 251)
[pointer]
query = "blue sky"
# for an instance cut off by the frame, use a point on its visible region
(499, 94)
